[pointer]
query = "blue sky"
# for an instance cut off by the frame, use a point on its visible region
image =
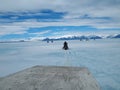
(37, 19)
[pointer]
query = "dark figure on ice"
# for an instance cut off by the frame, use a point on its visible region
(51, 41)
(65, 47)
(47, 41)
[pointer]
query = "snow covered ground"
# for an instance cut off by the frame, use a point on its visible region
(102, 57)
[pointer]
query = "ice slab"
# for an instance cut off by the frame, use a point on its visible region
(50, 78)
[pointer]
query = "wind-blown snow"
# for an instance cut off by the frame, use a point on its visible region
(100, 56)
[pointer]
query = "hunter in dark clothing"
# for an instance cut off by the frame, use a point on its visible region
(65, 46)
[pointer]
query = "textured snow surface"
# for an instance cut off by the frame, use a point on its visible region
(101, 57)
(50, 78)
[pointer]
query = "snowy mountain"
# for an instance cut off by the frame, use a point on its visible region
(75, 38)
(83, 37)
(117, 36)
(114, 36)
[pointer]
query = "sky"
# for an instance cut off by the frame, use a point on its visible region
(37, 19)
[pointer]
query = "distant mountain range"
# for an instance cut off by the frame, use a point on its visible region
(94, 37)
(75, 38)
(83, 37)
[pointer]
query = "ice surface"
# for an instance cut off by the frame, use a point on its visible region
(102, 57)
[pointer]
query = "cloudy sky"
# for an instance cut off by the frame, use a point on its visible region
(32, 19)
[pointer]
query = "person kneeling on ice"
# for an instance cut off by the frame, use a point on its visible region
(65, 46)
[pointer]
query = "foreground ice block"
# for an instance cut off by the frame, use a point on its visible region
(50, 78)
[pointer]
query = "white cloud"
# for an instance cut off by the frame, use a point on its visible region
(75, 9)
(12, 30)
(21, 27)
(41, 33)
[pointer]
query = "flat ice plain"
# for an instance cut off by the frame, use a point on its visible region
(101, 57)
